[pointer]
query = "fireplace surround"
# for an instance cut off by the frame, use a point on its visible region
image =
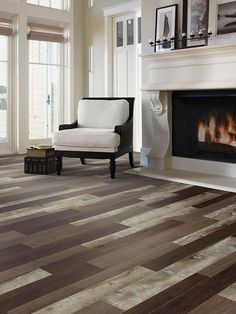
(208, 75)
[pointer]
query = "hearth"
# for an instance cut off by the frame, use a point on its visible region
(204, 125)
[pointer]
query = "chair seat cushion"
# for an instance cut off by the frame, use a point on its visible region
(87, 138)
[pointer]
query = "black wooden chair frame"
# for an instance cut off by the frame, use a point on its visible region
(126, 141)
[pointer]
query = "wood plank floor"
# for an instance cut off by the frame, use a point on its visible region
(82, 243)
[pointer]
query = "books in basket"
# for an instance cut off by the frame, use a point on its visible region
(40, 150)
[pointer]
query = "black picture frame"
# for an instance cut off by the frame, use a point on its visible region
(226, 19)
(165, 29)
(202, 21)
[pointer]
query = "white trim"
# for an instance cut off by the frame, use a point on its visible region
(10, 88)
(91, 69)
(108, 56)
(125, 7)
(71, 65)
(109, 13)
(204, 166)
(90, 4)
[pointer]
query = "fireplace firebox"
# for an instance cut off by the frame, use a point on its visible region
(204, 125)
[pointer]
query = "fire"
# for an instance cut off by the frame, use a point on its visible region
(219, 133)
(201, 133)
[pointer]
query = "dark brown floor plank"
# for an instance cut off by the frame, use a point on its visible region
(196, 296)
(214, 200)
(99, 307)
(216, 305)
(44, 286)
(166, 295)
(191, 248)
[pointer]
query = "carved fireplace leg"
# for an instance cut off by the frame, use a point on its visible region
(113, 168)
(58, 165)
(160, 130)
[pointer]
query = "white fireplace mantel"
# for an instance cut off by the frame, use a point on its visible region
(209, 67)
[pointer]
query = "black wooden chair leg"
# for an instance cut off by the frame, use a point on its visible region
(113, 168)
(58, 165)
(131, 159)
(83, 162)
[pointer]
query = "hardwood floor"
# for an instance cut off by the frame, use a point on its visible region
(83, 243)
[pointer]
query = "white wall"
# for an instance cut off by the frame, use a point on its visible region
(89, 31)
(95, 36)
(79, 65)
(148, 8)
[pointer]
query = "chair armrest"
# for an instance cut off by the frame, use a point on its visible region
(126, 134)
(68, 126)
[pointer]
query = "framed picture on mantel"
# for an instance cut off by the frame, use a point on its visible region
(222, 21)
(195, 20)
(165, 26)
(226, 17)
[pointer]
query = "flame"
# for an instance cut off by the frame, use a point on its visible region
(231, 124)
(223, 133)
(201, 133)
(212, 128)
(224, 137)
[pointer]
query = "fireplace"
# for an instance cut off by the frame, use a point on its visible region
(204, 125)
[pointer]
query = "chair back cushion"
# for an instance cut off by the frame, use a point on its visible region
(104, 114)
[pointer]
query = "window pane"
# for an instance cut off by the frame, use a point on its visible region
(34, 51)
(3, 50)
(119, 34)
(56, 4)
(3, 101)
(139, 30)
(130, 32)
(44, 52)
(54, 53)
(3, 87)
(45, 3)
(33, 1)
(44, 90)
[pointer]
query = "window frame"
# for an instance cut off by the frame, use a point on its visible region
(62, 94)
(21, 14)
(7, 146)
(66, 5)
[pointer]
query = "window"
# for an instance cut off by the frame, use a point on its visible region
(36, 75)
(55, 4)
(130, 32)
(139, 30)
(44, 88)
(119, 34)
(3, 88)
(5, 33)
(45, 73)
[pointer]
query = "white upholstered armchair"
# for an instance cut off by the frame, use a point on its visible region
(104, 130)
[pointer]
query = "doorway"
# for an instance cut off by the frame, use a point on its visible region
(127, 65)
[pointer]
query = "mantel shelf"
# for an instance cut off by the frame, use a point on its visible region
(208, 67)
(205, 50)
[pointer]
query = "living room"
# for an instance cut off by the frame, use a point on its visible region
(117, 156)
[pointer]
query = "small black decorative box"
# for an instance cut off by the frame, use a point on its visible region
(40, 165)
